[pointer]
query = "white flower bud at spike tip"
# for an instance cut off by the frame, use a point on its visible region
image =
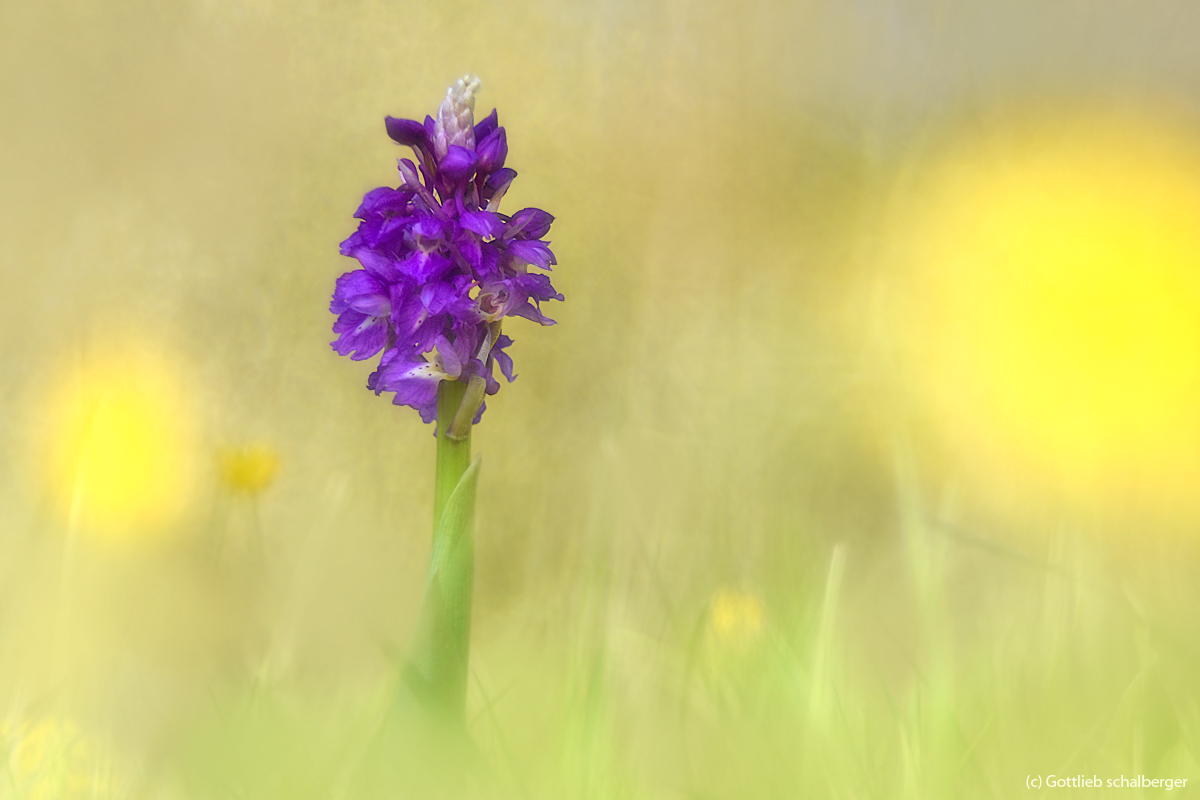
(455, 122)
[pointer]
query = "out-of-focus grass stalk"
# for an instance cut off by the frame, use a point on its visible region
(820, 695)
(927, 721)
(444, 625)
(60, 651)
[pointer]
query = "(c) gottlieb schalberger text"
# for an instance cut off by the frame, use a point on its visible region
(1096, 782)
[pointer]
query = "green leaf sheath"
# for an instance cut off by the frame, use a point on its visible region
(448, 591)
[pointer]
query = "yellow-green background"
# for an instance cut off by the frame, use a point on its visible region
(721, 554)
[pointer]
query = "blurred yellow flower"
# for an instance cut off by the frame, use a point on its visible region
(1051, 301)
(248, 469)
(120, 454)
(49, 759)
(735, 617)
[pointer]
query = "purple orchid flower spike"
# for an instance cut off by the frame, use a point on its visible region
(439, 269)
(439, 266)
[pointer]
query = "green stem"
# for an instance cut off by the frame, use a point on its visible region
(453, 455)
(441, 656)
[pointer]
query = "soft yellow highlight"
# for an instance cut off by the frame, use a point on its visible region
(248, 469)
(48, 759)
(735, 617)
(121, 444)
(1054, 317)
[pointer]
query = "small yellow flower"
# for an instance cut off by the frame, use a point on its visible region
(249, 469)
(735, 617)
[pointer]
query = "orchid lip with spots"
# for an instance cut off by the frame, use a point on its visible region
(440, 266)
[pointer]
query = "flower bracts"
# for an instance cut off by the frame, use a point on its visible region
(441, 267)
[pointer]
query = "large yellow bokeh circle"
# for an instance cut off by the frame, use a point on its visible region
(1047, 280)
(119, 450)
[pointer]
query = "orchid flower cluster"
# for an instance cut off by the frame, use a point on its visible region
(441, 267)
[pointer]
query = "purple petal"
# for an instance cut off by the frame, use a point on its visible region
(382, 200)
(504, 359)
(486, 125)
(472, 367)
(368, 229)
(529, 223)
(497, 184)
(417, 328)
(531, 252)
(537, 286)
(408, 171)
(467, 336)
(382, 267)
(415, 383)
(458, 163)
(492, 151)
(489, 266)
(428, 228)
(485, 223)
(372, 305)
(530, 312)
(351, 242)
(405, 131)
(491, 385)
(357, 331)
(467, 245)
(451, 362)
(424, 267)
(373, 378)
(389, 230)
(352, 285)
(500, 179)
(434, 297)
(416, 331)
(399, 294)
(437, 297)
(424, 335)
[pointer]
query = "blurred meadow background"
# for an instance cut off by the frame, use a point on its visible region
(862, 462)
